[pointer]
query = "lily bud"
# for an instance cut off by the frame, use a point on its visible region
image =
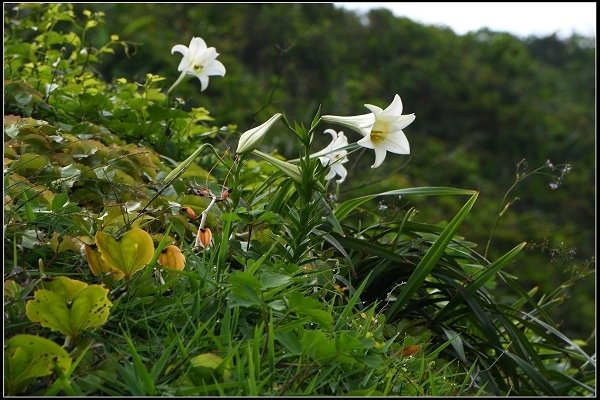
(203, 238)
(190, 212)
(252, 138)
(359, 123)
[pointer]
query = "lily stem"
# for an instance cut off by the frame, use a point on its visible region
(177, 82)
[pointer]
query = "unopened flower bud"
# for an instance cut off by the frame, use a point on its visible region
(190, 212)
(203, 238)
(252, 138)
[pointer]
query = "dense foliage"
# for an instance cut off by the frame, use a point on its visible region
(293, 284)
(484, 101)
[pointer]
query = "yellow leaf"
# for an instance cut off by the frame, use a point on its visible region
(128, 255)
(97, 266)
(69, 306)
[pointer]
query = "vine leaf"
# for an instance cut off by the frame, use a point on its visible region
(128, 255)
(27, 357)
(69, 306)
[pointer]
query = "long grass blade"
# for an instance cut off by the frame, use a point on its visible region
(430, 258)
(481, 278)
(349, 205)
(139, 366)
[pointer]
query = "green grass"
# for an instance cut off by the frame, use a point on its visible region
(297, 295)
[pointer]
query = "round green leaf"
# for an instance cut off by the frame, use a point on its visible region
(27, 357)
(69, 306)
(30, 162)
(129, 255)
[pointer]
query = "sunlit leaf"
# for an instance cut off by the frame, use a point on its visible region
(98, 266)
(69, 306)
(129, 254)
(27, 357)
(204, 366)
(29, 162)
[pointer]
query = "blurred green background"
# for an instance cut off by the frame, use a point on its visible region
(484, 101)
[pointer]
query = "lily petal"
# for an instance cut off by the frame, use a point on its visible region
(340, 170)
(394, 110)
(397, 143)
(374, 109)
(203, 82)
(215, 68)
(197, 45)
(379, 157)
(366, 142)
(180, 49)
(359, 123)
(403, 121)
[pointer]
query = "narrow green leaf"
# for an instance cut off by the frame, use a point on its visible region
(560, 335)
(223, 247)
(349, 205)
(315, 120)
(350, 305)
(368, 248)
(484, 275)
(331, 217)
(520, 342)
(533, 374)
(161, 363)
(183, 165)
(456, 343)
(337, 245)
(140, 368)
(257, 264)
(481, 278)
(430, 258)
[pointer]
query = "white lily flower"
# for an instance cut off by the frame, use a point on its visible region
(252, 138)
(199, 61)
(332, 156)
(359, 123)
(382, 129)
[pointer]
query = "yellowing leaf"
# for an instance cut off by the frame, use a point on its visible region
(98, 267)
(204, 366)
(61, 243)
(69, 306)
(11, 288)
(128, 255)
(27, 357)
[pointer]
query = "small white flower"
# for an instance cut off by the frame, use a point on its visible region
(382, 129)
(332, 156)
(252, 138)
(199, 61)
